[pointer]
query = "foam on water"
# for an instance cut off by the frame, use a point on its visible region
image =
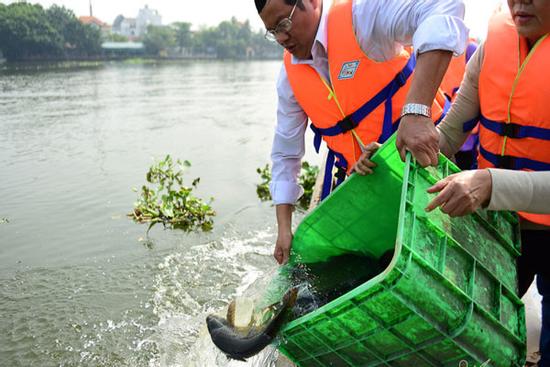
(201, 281)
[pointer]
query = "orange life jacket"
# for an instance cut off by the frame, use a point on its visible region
(514, 92)
(338, 107)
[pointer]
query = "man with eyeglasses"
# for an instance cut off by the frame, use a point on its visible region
(347, 67)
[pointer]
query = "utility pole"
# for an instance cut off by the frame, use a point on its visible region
(91, 13)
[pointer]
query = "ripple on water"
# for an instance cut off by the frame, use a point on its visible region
(128, 315)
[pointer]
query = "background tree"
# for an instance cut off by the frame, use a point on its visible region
(79, 39)
(184, 37)
(115, 37)
(159, 39)
(29, 32)
(26, 32)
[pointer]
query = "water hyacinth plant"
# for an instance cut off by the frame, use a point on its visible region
(169, 202)
(307, 178)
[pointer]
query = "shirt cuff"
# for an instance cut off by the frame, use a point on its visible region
(285, 192)
(441, 32)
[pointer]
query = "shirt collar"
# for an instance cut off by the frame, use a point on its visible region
(320, 38)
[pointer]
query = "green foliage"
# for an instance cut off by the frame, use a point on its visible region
(183, 35)
(262, 189)
(115, 37)
(169, 202)
(29, 32)
(231, 39)
(159, 39)
(307, 178)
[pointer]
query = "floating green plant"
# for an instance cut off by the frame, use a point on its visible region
(169, 202)
(307, 178)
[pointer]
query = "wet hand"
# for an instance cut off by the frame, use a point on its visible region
(462, 193)
(418, 135)
(282, 247)
(364, 165)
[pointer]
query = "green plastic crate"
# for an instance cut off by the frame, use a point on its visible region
(448, 295)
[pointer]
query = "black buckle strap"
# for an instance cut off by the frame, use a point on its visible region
(505, 161)
(346, 124)
(510, 130)
(340, 173)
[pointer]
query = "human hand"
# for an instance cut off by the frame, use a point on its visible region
(418, 135)
(282, 247)
(462, 193)
(364, 165)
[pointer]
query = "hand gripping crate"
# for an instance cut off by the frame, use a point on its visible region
(448, 297)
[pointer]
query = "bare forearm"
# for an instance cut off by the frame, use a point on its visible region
(284, 217)
(428, 74)
(284, 234)
(417, 133)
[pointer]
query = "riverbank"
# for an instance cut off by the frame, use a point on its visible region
(98, 63)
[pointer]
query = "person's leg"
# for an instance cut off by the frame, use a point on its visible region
(527, 263)
(534, 259)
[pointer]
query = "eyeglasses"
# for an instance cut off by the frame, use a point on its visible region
(284, 26)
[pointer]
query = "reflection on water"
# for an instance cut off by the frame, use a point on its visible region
(77, 287)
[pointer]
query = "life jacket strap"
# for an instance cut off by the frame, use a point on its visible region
(385, 95)
(511, 162)
(350, 122)
(515, 131)
(470, 124)
(334, 159)
(446, 108)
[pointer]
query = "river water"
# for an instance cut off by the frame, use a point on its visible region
(79, 283)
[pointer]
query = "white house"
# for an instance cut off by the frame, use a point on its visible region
(147, 17)
(137, 27)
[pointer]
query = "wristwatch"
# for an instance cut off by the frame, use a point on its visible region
(416, 109)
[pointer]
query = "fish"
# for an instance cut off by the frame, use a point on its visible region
(238, 345)
(242, 334)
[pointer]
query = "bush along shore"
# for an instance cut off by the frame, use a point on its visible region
(31, 33)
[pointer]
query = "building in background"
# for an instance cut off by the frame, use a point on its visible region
(147, 17)
(126, 27)
(136, 27)
(96, 23)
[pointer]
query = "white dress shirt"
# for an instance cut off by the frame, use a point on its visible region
(382, 28)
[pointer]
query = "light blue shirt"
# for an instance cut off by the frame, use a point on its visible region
(383, 28)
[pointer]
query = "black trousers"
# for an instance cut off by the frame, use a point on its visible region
(535, 260)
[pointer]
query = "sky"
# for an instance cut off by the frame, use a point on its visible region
(212, 12)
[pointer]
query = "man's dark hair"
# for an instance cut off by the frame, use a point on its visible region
(261, 3)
